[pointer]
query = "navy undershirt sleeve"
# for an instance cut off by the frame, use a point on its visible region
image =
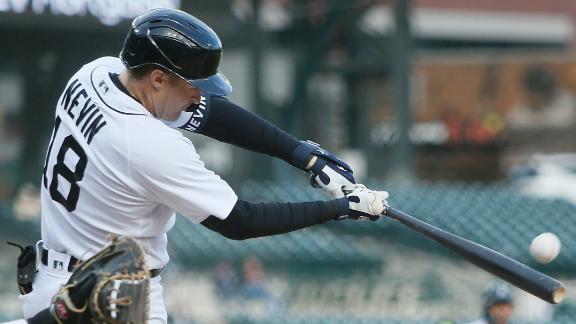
(248, 220)
(232, 124)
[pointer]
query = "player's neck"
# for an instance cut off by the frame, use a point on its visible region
(137, 89)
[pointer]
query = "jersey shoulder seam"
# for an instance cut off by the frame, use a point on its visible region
(105, 103)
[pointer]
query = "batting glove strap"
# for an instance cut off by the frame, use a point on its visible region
(306, 150)
(302, 155)
(327, 171)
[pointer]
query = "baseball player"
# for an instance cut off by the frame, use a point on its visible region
(116, 165)
(498, 305)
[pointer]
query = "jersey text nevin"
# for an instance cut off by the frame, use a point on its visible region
(80, 108)
(197, 116)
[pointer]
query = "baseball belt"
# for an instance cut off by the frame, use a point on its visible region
(74, 261)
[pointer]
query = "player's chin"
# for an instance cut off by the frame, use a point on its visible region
(172, 116)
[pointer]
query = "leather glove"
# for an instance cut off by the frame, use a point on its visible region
(110, 287)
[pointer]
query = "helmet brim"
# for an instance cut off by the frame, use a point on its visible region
(216, 85)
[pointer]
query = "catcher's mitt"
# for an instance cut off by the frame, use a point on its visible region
(110, 287)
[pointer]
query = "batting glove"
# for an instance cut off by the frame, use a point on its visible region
(364, 204)
(326, 170)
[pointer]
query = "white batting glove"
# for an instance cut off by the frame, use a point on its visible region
(327, 171)
(330, 178)
(365, 204)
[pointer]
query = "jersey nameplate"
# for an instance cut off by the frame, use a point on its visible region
(82, 110)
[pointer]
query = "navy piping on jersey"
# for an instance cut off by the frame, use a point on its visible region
(102, 99)
(116, 80)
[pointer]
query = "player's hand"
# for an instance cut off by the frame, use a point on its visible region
(326, 170)
(365, 204)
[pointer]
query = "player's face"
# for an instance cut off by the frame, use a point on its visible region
(500, 313)
(177, 95)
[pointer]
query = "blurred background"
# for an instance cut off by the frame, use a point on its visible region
(464, 110)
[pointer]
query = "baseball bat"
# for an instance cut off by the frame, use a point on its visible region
(516, 273)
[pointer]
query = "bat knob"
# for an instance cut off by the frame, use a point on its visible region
(385, 211)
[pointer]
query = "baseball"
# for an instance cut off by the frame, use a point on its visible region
(545, 247)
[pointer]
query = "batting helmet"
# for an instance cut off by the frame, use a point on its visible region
(498, 293)
(179, 42)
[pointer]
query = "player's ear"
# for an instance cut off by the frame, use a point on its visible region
(158, 78)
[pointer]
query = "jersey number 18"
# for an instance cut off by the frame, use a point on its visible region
(60, 169)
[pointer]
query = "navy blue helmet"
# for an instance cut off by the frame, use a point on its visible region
(180, 43)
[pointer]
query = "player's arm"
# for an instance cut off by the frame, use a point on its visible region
(249, 220)
(227, 122)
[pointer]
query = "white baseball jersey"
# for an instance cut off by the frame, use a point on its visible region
(111, 167)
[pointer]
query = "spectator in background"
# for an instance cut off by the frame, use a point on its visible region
(254, 285)
(545, 106)
(225, 280)
(498, 305)
(251, 286)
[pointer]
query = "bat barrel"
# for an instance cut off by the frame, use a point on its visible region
(518, 274)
